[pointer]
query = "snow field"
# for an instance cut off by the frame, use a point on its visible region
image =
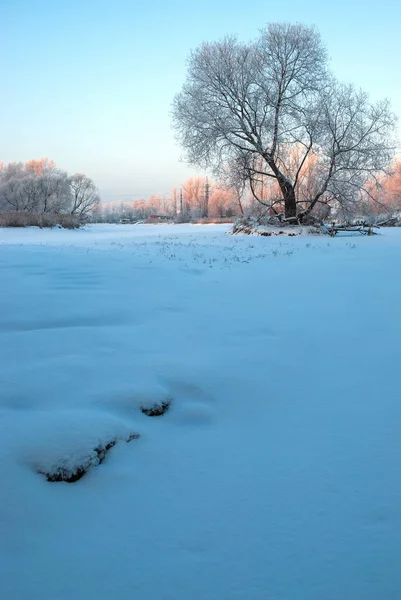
(276, 471)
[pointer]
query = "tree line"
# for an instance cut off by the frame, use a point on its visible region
(37, 191)
(200, 198)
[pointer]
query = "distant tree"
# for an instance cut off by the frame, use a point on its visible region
(231, 179)
(194, 197)
(53, 192)
(222, 203)
(249, 104)
(38, 186)
(12, 196)
(47, 185)
(97, 214)
(389, 188)
(85, 196)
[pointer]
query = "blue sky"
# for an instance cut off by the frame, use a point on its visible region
(89, 83)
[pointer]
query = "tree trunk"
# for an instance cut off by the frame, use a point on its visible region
(290, 204)
(240, 205)
(286, 188)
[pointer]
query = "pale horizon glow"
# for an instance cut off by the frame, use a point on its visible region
(89, 83)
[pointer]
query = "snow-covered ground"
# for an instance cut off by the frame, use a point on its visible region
(276, 472)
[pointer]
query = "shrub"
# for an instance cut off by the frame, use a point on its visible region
(33, 219)
(214, 220)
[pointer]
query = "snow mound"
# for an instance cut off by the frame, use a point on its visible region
(65, 471)
(63, 446)
(156, 409)
(251, 226)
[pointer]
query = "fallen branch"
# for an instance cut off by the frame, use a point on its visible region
(363, 228)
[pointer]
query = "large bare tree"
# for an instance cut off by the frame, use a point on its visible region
(251, 104)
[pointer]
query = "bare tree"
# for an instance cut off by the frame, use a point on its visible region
(194, 197)
(223, 202)
(389, 188)
(47, 185)
(12, 196)
(354, 146)
(38, 186)
(231, 178)
(53, 192)
(85, 196)
(250, 104)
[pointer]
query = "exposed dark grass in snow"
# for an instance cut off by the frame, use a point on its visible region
(156, 410)
(72, 473)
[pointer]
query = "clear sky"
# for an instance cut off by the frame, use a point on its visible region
(89, 83)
